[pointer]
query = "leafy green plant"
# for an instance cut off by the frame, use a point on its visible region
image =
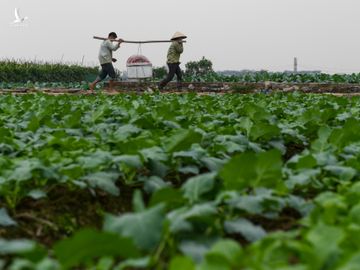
(180, 181)
(12, 71)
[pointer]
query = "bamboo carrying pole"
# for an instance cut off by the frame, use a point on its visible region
(139, 42)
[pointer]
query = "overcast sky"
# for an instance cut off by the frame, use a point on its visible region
(234, 34)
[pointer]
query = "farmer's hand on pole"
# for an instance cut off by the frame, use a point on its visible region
(120, 40)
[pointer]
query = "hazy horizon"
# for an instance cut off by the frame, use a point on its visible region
(234, 34)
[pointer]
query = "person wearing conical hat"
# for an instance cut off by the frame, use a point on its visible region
(173, 60)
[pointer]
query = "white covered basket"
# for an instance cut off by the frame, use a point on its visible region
(139, 67)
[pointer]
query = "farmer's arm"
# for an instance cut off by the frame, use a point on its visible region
(112, 46)
(179, 47)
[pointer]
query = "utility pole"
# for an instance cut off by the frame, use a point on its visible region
(295, 65)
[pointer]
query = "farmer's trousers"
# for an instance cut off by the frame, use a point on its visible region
(107, 69)
(174, 68)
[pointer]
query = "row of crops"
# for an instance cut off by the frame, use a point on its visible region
(281, 77)
(12, 71)
(180, 182)
(18, 74)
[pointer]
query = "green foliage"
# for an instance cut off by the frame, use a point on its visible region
(159, 73)
(26, 72)
(5, 219)
(200, 68)
(215, 182)
(247, 229)
(281, 77)
(179, 263)
(144, 227)
(253, 170)
(195, 187)
(88, 245)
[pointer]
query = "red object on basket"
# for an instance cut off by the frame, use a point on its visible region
(138, 59)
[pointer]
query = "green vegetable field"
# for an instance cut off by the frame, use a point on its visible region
(39, 75)
(180, 182)
(263, 76)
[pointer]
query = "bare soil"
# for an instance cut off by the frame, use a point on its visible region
(63, 212)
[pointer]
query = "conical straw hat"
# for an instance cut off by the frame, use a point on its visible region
(178, 35)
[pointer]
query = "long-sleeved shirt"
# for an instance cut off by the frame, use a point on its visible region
(175, 50)
(106, 51)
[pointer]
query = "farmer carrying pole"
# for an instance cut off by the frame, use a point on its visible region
(173, 60)
(106, 58)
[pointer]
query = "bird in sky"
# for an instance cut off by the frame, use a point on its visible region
(18, 19)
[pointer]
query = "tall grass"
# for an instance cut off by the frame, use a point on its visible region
(12, 70)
